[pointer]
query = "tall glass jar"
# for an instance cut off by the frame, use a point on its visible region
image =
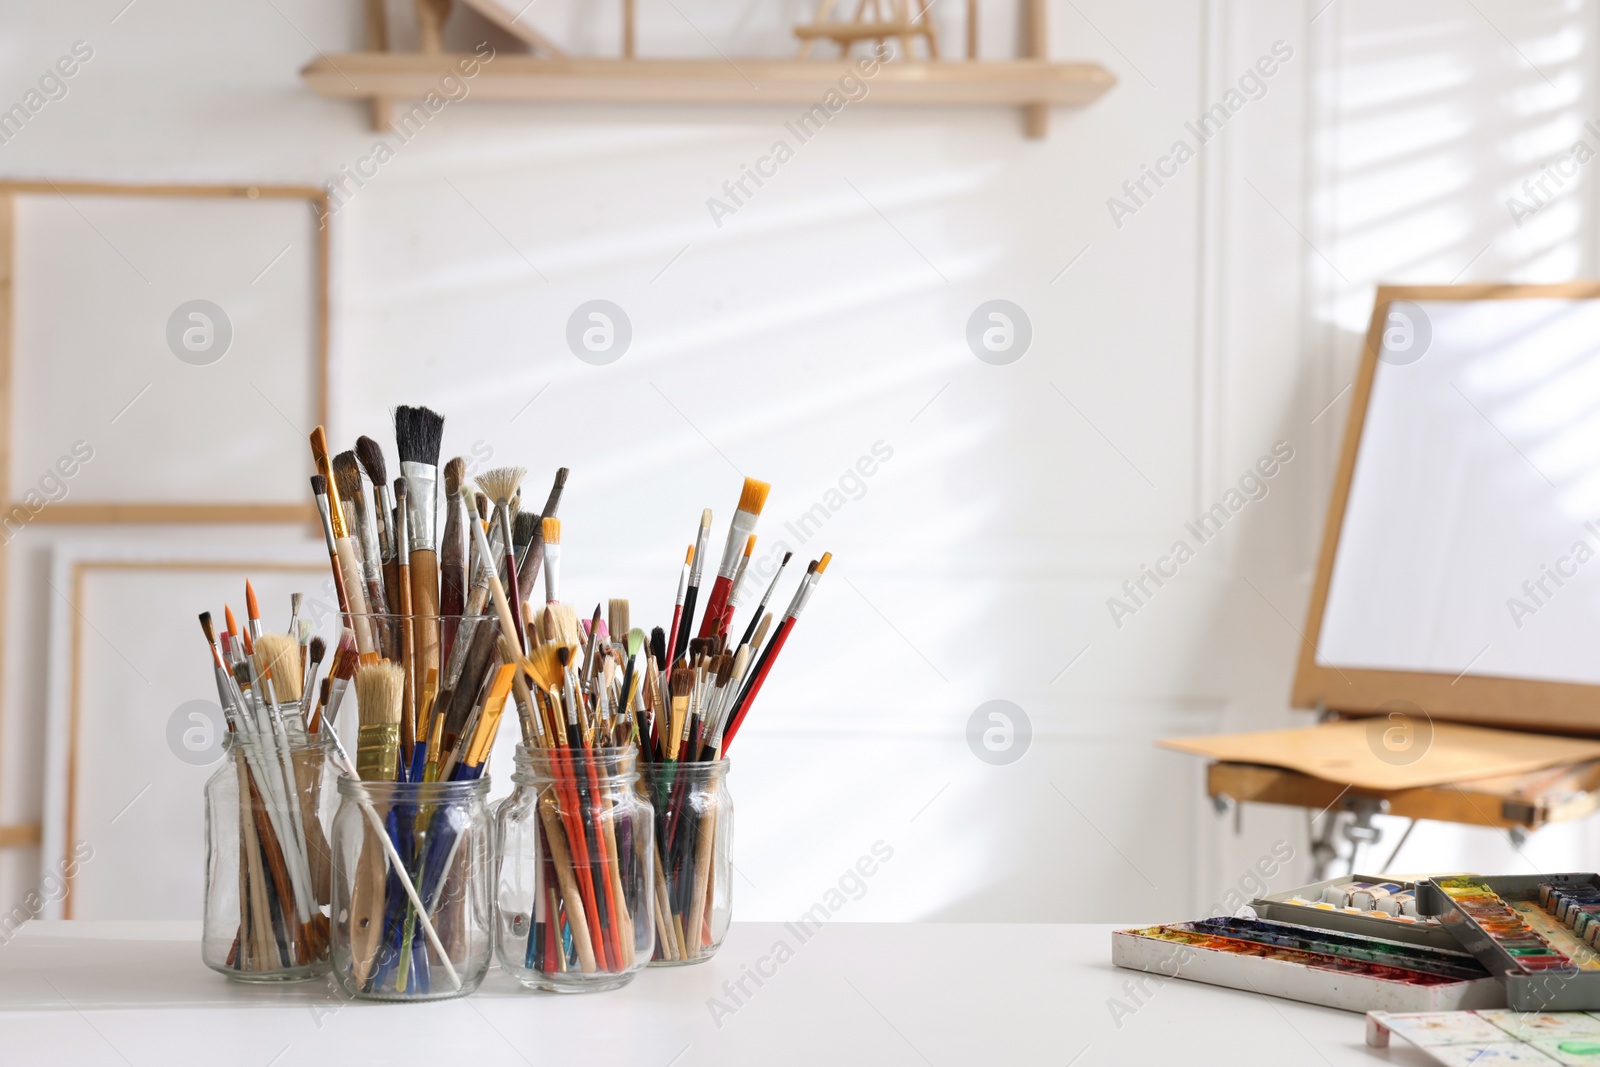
(384, 946)
(267, 859)
(693, 859)
(574, 897)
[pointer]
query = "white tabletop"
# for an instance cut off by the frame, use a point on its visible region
(136, 993)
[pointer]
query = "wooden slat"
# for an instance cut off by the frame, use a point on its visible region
(248, 192)
(709, 81)
(67, 514)
(20, 835)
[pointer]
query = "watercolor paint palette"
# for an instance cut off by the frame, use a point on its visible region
(1459, 1038)
(1368, 905)
(1534, 931)
(1331, 968)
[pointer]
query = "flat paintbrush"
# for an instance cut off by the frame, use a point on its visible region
(418, 432)
(752, 498)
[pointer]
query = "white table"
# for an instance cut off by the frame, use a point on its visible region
(136, 993)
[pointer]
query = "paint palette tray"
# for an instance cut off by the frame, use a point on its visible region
(1482, 1038)
(1546, 963)
(1334, 969)
(1369, 905)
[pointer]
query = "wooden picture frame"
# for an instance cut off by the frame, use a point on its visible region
(72, 564)
(1517, 703)
(164, 512)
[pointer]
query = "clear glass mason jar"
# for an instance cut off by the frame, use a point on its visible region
(383, 947)
(267, 858)
(574, 897)
(693, 860)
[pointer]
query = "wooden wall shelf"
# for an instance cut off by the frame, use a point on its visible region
(1032, 83)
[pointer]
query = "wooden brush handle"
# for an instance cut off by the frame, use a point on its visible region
(271, 850)
(702, 875)
(355, 594)
(556, 840)
(308, 786)
(666, 943)
(425, 605)
(620, 918)
(366, 906)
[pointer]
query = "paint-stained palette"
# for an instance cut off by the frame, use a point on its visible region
(1338, 970)
(1459, 1038)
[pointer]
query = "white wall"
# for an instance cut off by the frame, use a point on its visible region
(828, 314)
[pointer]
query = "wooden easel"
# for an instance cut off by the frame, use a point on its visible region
(1518, 804)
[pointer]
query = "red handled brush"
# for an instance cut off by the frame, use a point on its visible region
(751, 501)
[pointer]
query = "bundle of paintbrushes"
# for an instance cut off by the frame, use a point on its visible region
(440, 630)
(267, 876)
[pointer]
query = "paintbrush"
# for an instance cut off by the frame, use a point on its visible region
(758, 674)
(734, 594)
(379, 690)
(533, 558)
(252, 609)
(677, 607)
(501, 485)
(359, 518)
(348, 571)
(319, 492)
(418, 432)
(752, 499)
(695, 571)
(750, 630)
(410, 713)
(314, 653)
(370, 453)
(452, 554)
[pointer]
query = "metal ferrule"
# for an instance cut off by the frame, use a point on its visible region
(371, 557)
(699, 556)
(804, 595)
(385, 509)
(798, 601)
(327, 524)
(739, 531)
(552, 572)
(422, 497)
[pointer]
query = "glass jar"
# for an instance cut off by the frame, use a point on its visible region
(693, 859)
(397, 845)
(267, 858)
(574, 898)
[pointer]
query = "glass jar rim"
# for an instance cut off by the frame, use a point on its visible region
(537, 762)
(418, 792)
(309, 742)
(414, 616)
(704, 766)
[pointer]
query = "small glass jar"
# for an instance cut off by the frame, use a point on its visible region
(693, 864)
(267, 858)
(575, 899)
(383, 948)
